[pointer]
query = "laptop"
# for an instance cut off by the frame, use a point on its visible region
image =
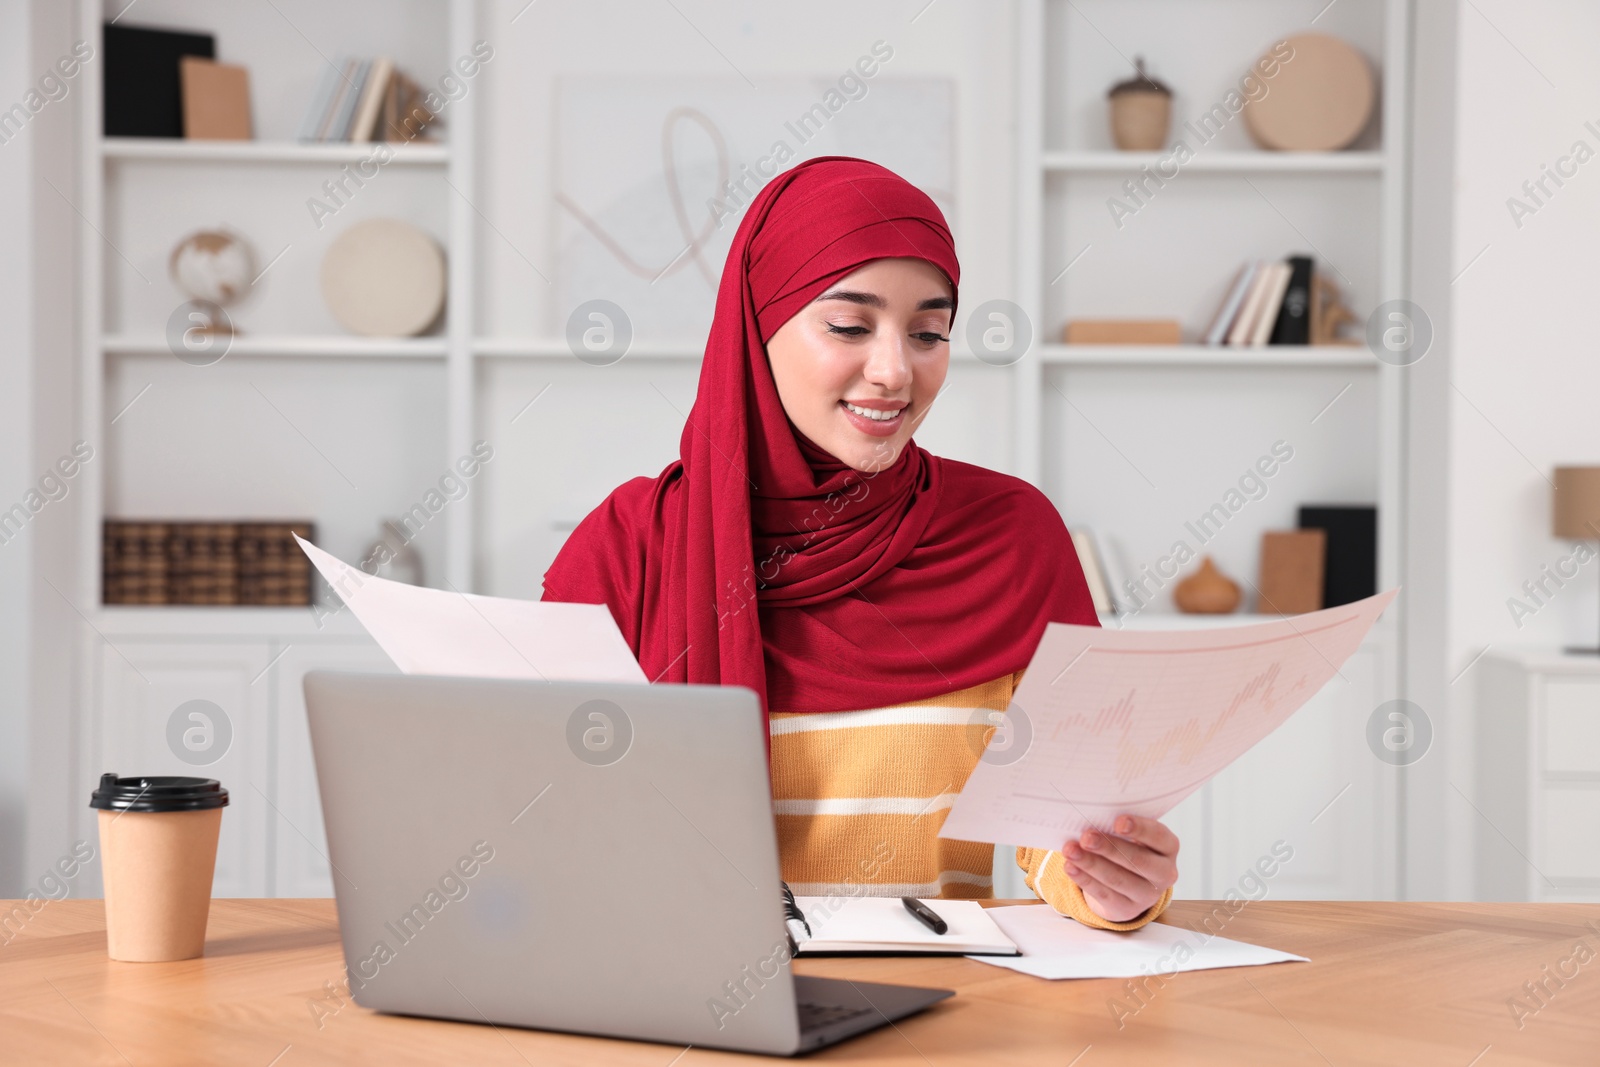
(592, 858)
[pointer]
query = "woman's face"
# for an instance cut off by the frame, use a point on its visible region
(858, 368)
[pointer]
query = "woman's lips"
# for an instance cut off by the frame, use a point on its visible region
(875, 427)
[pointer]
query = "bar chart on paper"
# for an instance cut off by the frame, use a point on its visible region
(1108, 722)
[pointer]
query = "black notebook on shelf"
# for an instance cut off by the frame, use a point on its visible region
(1294, 314)
(881, 926)
(1350, 558)
(143, 95)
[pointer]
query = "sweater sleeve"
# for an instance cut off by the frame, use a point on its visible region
(1045, 874)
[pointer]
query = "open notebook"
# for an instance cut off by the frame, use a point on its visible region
(881, 926)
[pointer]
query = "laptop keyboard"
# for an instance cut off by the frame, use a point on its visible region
(814, 1016)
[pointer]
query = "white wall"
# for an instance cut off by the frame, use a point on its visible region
(16, 452)
(38, 620)
(1508, 391)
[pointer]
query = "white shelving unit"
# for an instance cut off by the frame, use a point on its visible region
(142, 662)
(151, 149)
(107, 161)
(1236, 162)
(1046, 169)
(1285, 356)
(247, 346)
(1173, 256)
(538, 348)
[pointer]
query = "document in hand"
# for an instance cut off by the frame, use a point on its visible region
(435, 631)
(1113, 721)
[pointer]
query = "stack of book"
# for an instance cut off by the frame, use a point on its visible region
(255, 563)
(1268, 303)
(365, 100)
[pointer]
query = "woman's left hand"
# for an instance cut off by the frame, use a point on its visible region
(1123, 873)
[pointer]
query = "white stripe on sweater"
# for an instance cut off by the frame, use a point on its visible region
(864, 805)
(891, 889)
(917, 716)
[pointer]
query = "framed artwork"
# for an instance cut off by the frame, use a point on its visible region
(653, 175)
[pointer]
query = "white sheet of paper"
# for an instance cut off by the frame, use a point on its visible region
(1113, 721)
(434, 631)
(1054, 946)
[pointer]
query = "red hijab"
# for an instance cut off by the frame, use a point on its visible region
(757, 559)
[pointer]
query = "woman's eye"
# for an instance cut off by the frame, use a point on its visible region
(930, 337)
(848, 331)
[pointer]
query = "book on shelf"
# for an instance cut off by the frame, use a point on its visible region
(1267, 314)
(327, 86)
(345, 116)
(1217, 332)
(143, 90)
(1093, 573)
(1244, 322)
(365, 100)
(343, 84)
(1114, 564)
(216, 100)
(1294, 317)
(373, 91)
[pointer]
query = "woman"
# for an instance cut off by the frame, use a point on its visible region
(883, 601)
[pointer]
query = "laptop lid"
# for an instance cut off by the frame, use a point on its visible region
(567, 856)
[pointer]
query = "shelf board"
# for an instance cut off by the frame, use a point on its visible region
(295, 346)
(1174, 620)
(1261, 162)
(185, 620)
(1382, 630)
(537, 348)
(162, 149)
(1210, 355)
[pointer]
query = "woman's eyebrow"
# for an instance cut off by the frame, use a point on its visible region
(874, 300)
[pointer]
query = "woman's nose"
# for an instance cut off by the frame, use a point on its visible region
(888, 364)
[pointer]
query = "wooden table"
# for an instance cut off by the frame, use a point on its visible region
(1388, 983)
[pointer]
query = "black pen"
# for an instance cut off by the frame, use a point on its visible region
(925, 915)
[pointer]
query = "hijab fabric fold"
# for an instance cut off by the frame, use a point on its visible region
(758, 559)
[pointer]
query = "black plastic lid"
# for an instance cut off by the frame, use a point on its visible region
(158, 792)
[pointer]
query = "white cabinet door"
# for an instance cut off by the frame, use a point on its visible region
(1315, 786)
(208, 702)
(298, 840)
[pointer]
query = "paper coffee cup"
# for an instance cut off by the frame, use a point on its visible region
(158, 852)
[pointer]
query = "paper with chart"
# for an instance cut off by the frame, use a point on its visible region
(1113, 721)
(436, 631)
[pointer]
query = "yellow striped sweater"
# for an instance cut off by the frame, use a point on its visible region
(860, 797)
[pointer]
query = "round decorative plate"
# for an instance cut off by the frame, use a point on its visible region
(384, 278)
(1320, 99)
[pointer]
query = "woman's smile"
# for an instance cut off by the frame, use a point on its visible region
(879, 418)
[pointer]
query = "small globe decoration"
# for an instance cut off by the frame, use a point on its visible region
(213, 267)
